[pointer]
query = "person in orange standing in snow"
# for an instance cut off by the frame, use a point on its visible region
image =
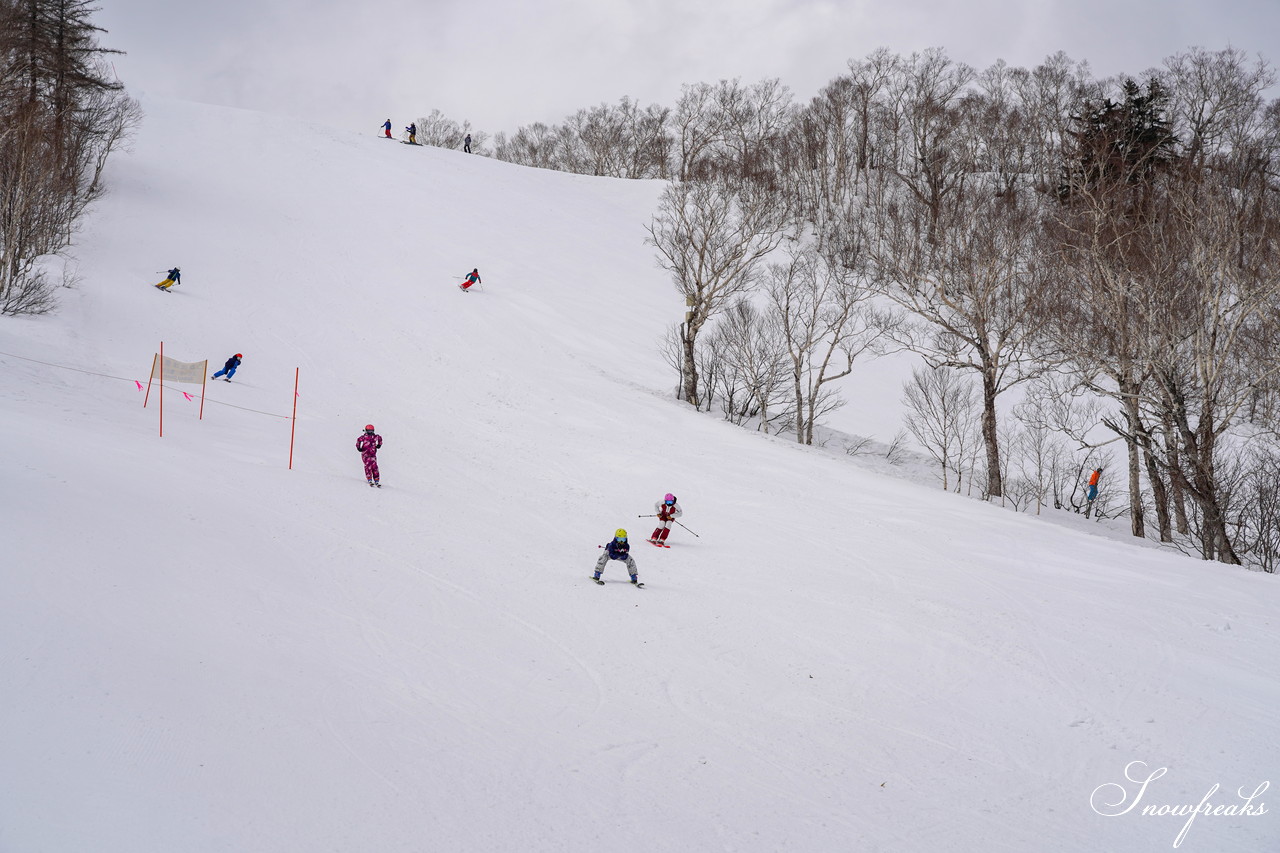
(1093, 484)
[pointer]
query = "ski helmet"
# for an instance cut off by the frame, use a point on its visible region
(620, 534)
(368, 427)
(670, 498)
(238, 355)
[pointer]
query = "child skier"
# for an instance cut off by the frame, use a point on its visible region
(668, 511)
(367, 444)
(175, 277)
(472, 277)
(229, 368)
(617, 549)
(386, 128)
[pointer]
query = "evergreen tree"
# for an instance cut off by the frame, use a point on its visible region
(1121, 143)
(61, 115)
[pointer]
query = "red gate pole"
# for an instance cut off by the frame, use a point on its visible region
(294, 426)
(147, 396)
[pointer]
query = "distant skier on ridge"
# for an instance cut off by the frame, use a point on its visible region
(386, 128)
(412, 130)
(367, 445)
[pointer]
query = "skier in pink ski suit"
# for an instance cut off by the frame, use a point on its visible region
(368, 445)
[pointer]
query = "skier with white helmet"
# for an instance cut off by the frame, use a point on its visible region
(617, 549)
(667, 511)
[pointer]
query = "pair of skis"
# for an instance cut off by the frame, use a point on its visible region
(597, 580)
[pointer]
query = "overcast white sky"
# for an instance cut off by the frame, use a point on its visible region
(503, 63)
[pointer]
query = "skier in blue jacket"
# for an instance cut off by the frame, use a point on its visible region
(229, 368)
(175, 277)
(618, 549)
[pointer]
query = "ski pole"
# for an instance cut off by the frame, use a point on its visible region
(651, 515)
(686, 528)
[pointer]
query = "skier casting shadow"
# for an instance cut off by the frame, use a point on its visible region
(617, 549)
(229, 369)
(175, 277)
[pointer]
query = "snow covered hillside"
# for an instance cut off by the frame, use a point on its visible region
(201, 650)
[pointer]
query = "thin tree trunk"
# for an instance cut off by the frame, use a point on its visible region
(990, 438)
(689, 339)
(1177, 480)
(1137, 524)
(1217, 541)
(1160, 497)
(799, 415)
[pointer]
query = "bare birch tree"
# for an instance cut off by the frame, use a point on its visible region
(711, 237)
(825, 324)
(752, 363)
(967, 273)
(941, 412)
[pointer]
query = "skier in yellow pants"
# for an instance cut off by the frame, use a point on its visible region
(175, 277)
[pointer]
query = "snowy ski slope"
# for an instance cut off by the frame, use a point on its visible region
(201, 650)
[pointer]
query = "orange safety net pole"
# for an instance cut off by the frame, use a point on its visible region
(294, 426)
(147, 396)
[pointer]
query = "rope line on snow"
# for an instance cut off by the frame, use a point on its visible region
(127, 379)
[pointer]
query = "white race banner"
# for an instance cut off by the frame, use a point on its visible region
(191, 372)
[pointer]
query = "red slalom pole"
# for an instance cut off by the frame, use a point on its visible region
(149, 378)
(294, 425)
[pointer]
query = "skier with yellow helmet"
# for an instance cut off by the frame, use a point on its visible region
(617, 549)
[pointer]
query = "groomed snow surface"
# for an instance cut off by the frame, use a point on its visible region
(201, 650)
